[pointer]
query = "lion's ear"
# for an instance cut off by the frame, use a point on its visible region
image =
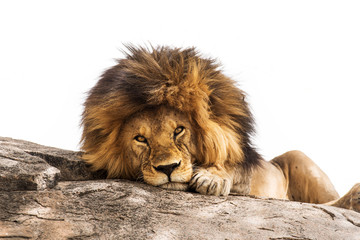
(219, 145)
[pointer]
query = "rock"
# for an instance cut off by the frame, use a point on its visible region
(48, 193)
(28, 166)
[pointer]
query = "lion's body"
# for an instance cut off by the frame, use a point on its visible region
(293, 176)
(171, 118)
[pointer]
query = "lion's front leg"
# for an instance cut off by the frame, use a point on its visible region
(211, 181)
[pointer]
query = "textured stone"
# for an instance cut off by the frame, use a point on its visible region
(64, 206)
(29, 166)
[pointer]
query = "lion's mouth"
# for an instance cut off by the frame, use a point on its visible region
(175, 186)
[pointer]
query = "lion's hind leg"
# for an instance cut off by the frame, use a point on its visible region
(350, 200)
(306, 181)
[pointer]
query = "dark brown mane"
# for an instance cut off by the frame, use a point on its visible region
(180, 79)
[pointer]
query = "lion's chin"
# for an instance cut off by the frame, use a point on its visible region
(175, 186)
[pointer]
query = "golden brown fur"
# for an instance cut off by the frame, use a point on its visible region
(170, 117)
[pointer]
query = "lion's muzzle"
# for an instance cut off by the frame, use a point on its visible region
(167, 169)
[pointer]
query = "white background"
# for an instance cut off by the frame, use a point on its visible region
(299, 62)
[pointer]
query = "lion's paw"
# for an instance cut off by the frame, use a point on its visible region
(210, 182)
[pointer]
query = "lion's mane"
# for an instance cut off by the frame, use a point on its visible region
(180, 79)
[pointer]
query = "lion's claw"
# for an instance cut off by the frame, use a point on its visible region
(208, 183)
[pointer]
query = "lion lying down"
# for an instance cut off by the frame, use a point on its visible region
(171, 118)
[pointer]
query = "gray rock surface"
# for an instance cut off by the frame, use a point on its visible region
(48, 193)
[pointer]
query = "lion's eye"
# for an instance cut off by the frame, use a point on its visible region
(178, 130)
(141, 139)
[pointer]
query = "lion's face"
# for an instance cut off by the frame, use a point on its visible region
(160, 144)
(194, 115)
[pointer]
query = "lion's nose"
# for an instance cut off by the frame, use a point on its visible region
(167, 169)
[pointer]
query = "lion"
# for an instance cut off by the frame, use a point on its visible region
(171, 118)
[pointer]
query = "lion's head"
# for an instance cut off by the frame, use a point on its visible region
(161, 144)
(159, 112)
